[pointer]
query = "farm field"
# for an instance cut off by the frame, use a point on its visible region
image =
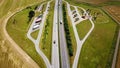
(92, 1)
(114, 11)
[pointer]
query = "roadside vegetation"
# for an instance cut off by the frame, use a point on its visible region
(67, 32)
(17, 28)
(70, 33)
(46, 38)
(83, 28)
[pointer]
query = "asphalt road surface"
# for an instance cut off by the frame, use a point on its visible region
(55, 46)
(63, 45)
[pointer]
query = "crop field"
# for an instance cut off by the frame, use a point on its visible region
(8, 59)
(96, 2)
(89, 1)
(114, 11)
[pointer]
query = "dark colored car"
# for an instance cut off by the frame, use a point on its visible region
(76, 19)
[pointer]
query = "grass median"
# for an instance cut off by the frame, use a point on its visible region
(46, 38)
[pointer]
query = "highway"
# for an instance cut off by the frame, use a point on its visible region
(55, 46)
(63, 46)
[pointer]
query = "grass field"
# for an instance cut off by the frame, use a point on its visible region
(83, 28)
(80, 11)
(72, 8)
(94, 49)
(17, 29)
(46, 38)
(35, 34)
(100, 44)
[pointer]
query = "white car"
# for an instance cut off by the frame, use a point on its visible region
(35, 27)
(61, 22)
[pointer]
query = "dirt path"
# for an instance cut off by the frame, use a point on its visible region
(23, 56)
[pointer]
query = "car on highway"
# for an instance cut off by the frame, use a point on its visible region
(61, 22)
(54, 42)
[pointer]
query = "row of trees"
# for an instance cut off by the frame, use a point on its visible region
(67, 32)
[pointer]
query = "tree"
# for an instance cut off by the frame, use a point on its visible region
(31, 14)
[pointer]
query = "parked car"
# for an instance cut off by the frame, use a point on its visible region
(75, 16)
(38, 21)
(76, 19)
(35, 27)
(73, 12)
